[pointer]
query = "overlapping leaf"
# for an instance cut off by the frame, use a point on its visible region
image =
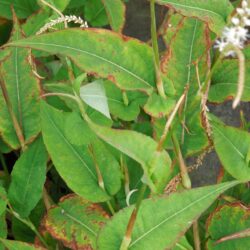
(173, 215)
(102, 52)
(214, 12)
(76, 222)
(115, 10)
(27, 178)
(23, 91)
(74, 163)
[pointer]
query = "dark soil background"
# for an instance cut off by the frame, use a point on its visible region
(138, 26)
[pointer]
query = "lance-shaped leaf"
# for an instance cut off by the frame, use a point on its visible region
(233, 148)
(214, 12)
(23, 91)
(115, 10)
(22, 8)
(173, 215)
(102, 52)
(76, 222)
(74, 163)
(228, 228)
(27, 178)
(141, 148)
(94, 95)
(225, 81)
(14, 245)
(186, 55)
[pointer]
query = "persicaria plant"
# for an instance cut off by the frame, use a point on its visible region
(97, 128)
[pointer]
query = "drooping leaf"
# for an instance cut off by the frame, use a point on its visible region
(95, 13)
(141, 148)
(102, 52)
(27, 178)
(18, 245)
(232, 146)
(225, 81)
(214, 12)
(228, 224)
(173, 215)
(74, 163)
(23, 91)
(94, 95)
(115, 10)
(22, 8)
(76, 222)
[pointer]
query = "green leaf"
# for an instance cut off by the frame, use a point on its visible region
(27, 178)
(141, 148)
(59, 4)
(102, 52)
(173, 215)
(94, 95)
(22, 8)
(77, 130)
(232, 146)
(76, 222)
(23, 90)
(117, 106)
(3, 229)
(73, 163)
(213, 12)
(225, 81)
(18, 245)
(3, 200)
(228, 223)
(158, 107)
(115, 10)
(95, 13)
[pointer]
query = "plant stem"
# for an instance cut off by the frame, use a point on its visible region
(29, 224)
(5, 168)
(111, 209)
(125, 98)
(16, 125)
(47, 199)
(127, 238)
(186, 182)
(196, 233)
(159, 83)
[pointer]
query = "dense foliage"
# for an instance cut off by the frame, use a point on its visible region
(96, 127)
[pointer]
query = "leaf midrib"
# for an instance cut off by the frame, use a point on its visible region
(70, 146)
(180, 211)
(85, 52)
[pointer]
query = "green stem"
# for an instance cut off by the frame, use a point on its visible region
(127, 238)
(186, 182)
(111, 209)
(159, 83)
(16, 125)
(29, 224)
(197, 243)
(125, 98)
(5, 168)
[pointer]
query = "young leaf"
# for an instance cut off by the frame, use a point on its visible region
(27, 178)
(173, 215)
(14, 245)
(226, 227)
(103, 52)
(23, 90)
(214, 12)
(141, 148)
(74, 163)
(22, 8)
(225, 81)
(94, 95)
(115, 10)
(76, 222)
(232, 146)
